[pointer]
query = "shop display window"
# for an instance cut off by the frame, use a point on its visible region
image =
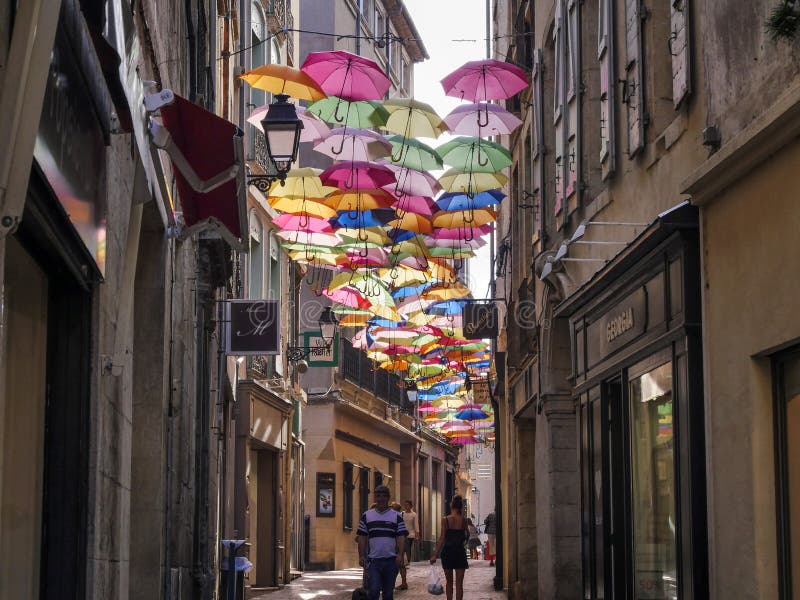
(653, 485)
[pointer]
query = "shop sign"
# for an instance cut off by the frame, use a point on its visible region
(253, 327)
(326, 494)
(623, 323)
(480, 320)
(318, 354)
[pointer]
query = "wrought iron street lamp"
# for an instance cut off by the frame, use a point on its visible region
(282, 129)
(327, 330)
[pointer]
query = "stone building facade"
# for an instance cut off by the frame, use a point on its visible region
(118, 421)
(634, 109)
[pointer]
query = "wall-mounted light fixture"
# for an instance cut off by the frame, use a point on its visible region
(282, 128)
(327, 330)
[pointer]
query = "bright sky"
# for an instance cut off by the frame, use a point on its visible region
(440, 23)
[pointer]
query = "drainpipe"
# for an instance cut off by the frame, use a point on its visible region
(167, 582)
(358, 26)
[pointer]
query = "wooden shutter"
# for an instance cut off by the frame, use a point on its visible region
(538, 141)
(679, 48)
(559, 86)
(634, 88)
(572, 148)
(605, 54)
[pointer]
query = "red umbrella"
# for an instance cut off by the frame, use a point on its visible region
(487, 79)
(346, 75)
(357, 175)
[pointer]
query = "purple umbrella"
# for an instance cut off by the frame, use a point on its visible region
(347, 143)
(411, 182)
(346, 75)
(481, 80)
(481, 119)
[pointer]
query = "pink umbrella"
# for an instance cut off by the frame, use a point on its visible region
(464, 440)
(487, 79)
(346, 75)
(422, 205)
(348, 143)
(473, 243)
(427, 407)
(288, 221)
(313, 127)
(460, 233)
(411, 183)
(481, 120)
(310, 238)
(357, 175)
(347, 296)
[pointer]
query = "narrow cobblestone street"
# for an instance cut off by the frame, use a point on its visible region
(339, 585)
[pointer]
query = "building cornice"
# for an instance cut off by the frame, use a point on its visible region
(776, 127)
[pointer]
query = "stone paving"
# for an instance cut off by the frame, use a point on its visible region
(339, 585)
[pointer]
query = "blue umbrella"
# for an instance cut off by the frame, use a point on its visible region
(460, 201)
(448, 307)
(471, 414)
(364, 218)
(410, 290)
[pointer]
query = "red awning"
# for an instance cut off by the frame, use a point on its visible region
(208, 164)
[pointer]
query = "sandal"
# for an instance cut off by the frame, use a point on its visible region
(402, 586)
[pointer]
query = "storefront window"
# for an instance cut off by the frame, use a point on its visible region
(788, 475)
(653, 485)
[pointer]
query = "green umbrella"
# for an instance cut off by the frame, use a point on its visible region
(411, 153)
(473, 154)
(363, 113)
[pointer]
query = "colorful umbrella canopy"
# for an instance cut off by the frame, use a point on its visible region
(359, 199)
(411, 118)
(422, 205)
(302, 223)
(341, 112)
(481, 80)
(411, 182)
(300, 183)
(302, 206)
(471, 414)
(347, 75)
(282, 79)
(411, 221)
(481, 119)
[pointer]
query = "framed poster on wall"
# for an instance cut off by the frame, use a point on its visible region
(326, 494)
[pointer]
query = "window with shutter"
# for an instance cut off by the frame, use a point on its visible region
(679, 49)
(633, 90)
(605, 54)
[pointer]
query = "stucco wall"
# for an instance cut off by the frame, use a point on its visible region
(751, 253)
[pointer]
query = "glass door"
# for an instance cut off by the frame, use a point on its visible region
(653, 494)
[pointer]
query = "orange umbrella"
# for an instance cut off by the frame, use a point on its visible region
(282, 79)
(412, 222)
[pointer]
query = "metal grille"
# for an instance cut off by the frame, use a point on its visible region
(261, 157)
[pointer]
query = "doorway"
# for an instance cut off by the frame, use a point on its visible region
(267, 518)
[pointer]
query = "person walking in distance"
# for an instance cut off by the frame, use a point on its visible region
(410, 520)
(381, 545)
(451, 545)
(491, 532)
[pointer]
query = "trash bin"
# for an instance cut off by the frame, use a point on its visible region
(233, 590)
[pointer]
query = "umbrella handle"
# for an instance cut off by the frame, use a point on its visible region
(481, 123)
(349, 183)
(468, 237)
(469, 216)
(403, 149)
(336, 116)
(393, 251)
(482, 163)
(341, 148)
(363, 252)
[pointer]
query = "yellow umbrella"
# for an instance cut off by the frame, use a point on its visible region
(299, 206)
(440, 269)
(375, 235)
(319, 258)
(401, 276)
(446, 291)
(386, 312)
(464, 219)
(282, 79)
(300, 183)
(412, 118)
(454, 180)
(355, 320)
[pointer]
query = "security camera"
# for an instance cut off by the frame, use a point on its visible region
(301, 366)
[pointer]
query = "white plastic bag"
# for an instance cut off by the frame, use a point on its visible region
(435, 582)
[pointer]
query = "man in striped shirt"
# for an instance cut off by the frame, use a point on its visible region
(381, 545)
